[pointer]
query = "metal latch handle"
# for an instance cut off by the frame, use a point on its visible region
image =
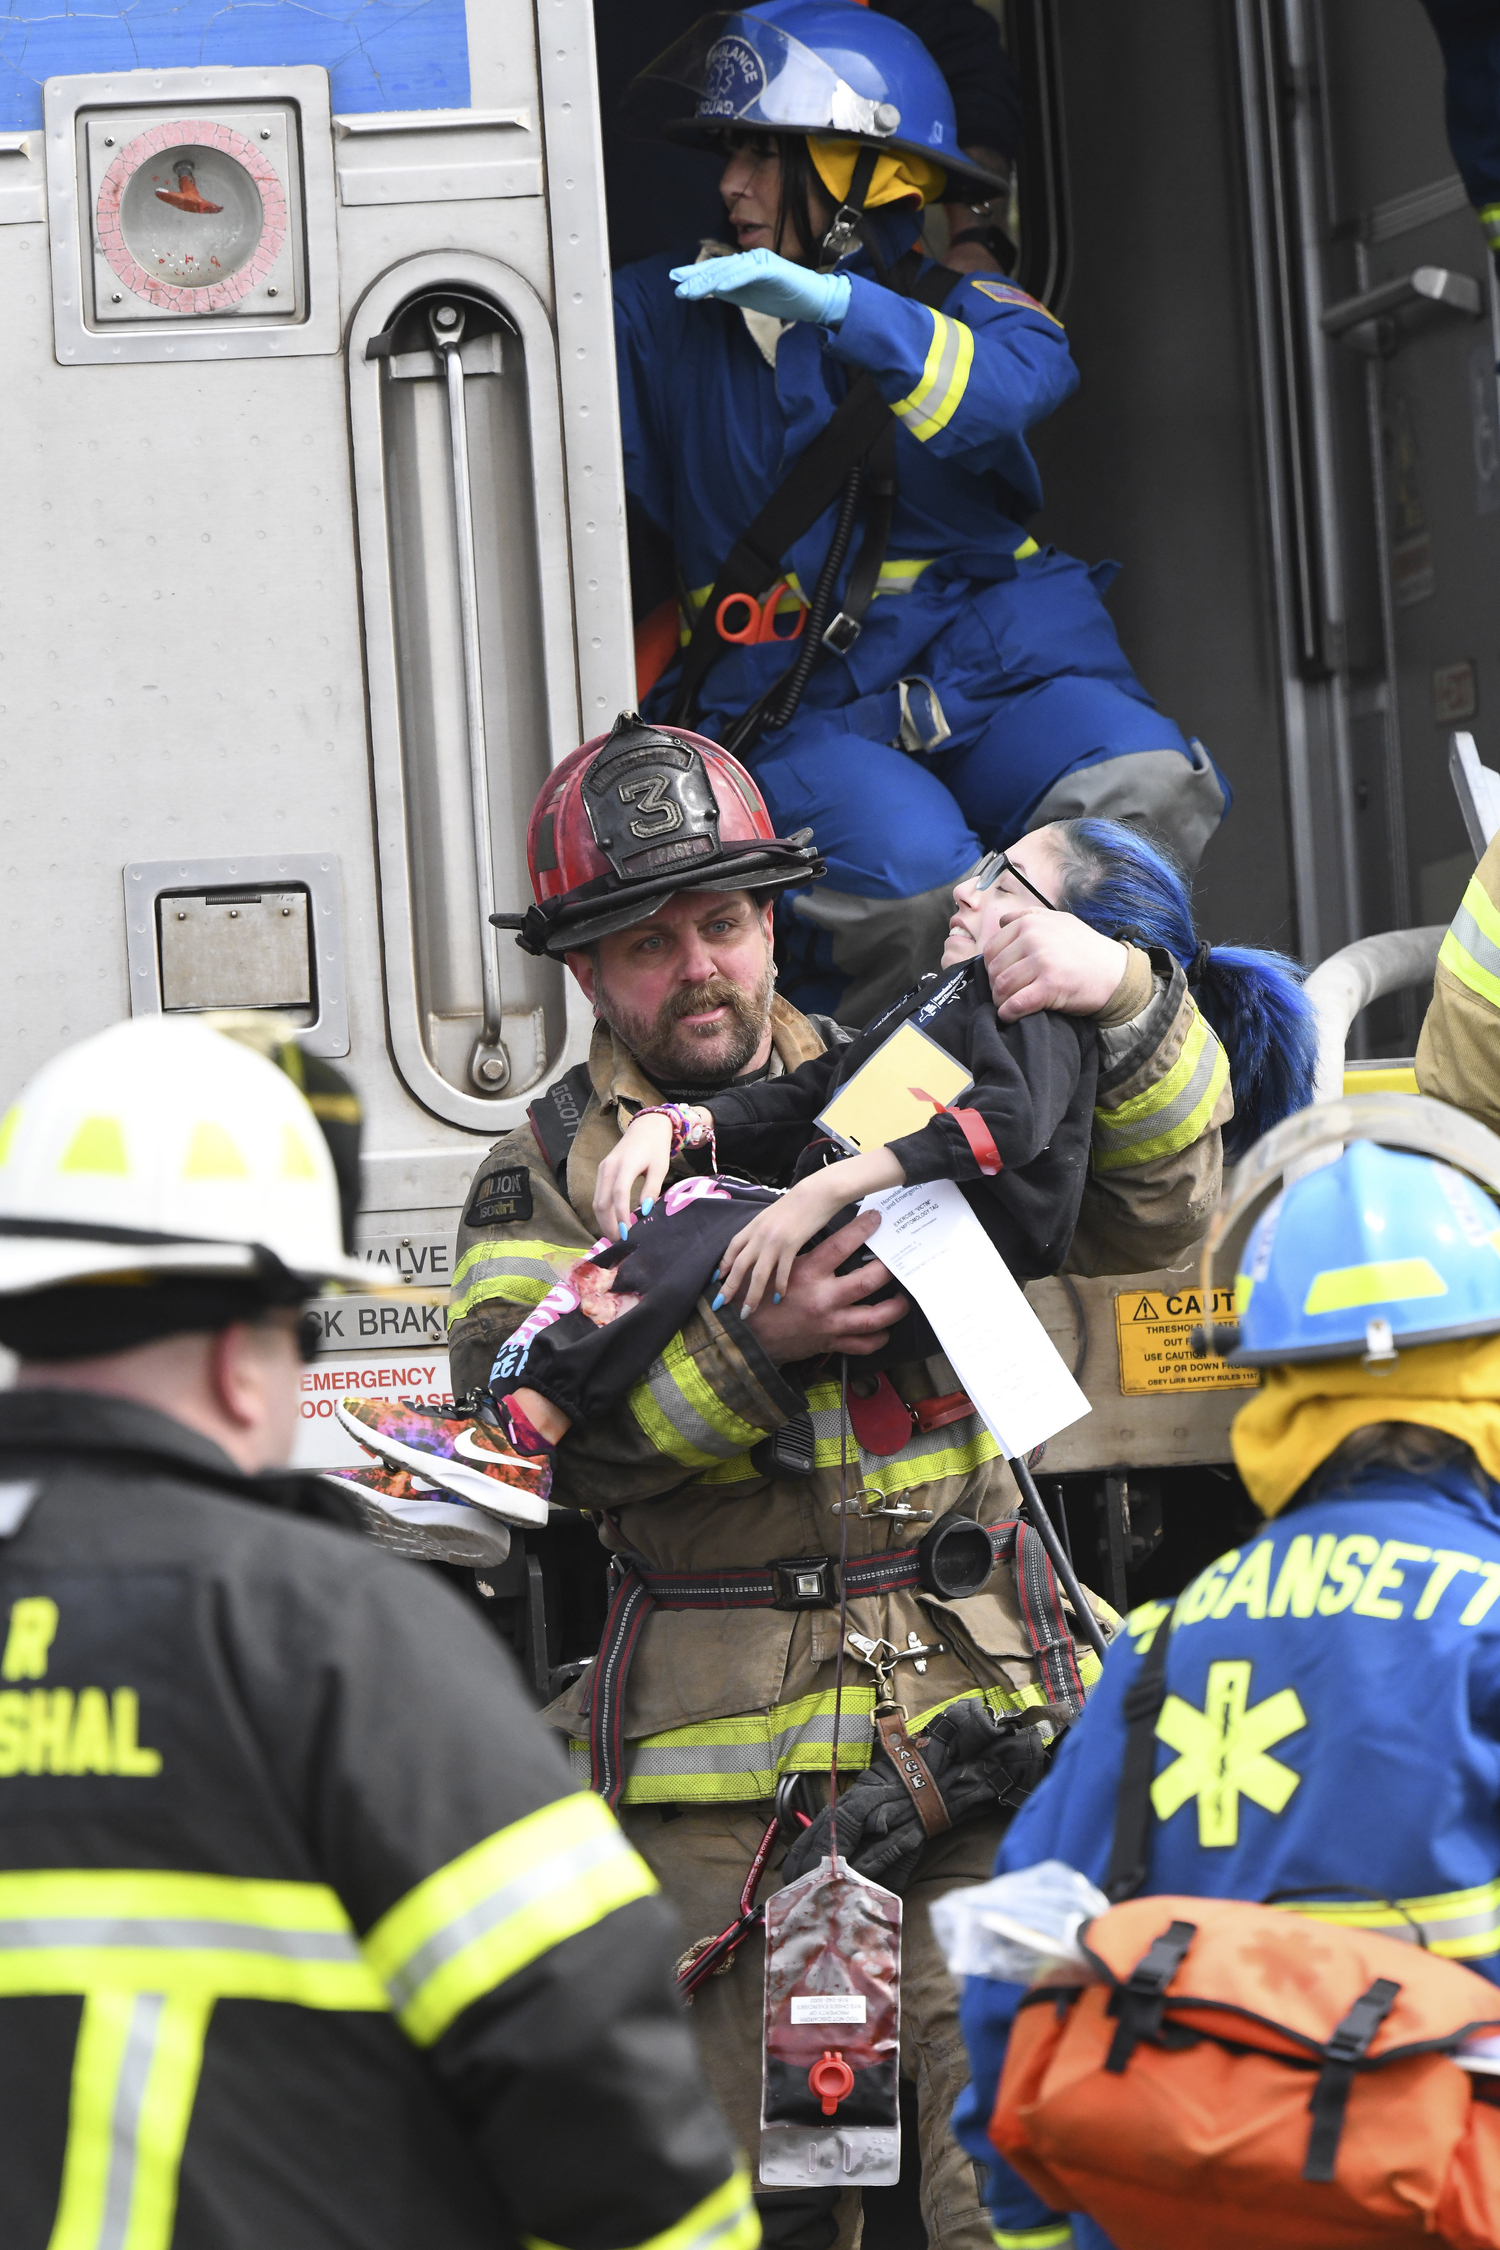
(489, 1064)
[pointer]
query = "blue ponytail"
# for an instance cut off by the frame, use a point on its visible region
(1120, 883)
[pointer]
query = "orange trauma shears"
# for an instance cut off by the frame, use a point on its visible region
(747, 622)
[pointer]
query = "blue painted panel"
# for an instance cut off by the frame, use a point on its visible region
(379, 54)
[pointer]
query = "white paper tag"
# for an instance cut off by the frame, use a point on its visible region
(1001, 1353)
(828, 2007)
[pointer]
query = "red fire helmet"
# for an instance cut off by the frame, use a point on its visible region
(635, 816)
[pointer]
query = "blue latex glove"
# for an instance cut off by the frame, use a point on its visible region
(768, 284)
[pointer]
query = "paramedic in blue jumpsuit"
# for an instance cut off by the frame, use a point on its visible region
(986, 692)
(1331, 1732)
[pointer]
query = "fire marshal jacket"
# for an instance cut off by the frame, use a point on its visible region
(305, 1938)
(721, 1705)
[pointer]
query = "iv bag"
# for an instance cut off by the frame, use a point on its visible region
(829, 2106)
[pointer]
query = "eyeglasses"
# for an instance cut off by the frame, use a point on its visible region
(994, 865)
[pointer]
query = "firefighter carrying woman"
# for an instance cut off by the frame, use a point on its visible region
(830, 430)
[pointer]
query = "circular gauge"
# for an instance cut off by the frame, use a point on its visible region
(191, 217)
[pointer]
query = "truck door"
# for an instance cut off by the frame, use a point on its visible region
(1377, 317)
(315, 557)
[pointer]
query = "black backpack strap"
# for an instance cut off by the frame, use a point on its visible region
(1336, 2079)
(754, 561)
(1130, 1852)
(861, 426)
(1139, 2003)
(880, 487)
(556, 1117)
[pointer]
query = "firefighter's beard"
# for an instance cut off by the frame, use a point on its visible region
(674, 1053)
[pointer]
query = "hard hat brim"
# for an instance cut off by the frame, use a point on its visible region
(578, 918)
(625, 916)
(704, 133)
(1354, 1347)
(40, 1261)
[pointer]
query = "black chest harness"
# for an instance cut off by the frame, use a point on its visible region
(853, 458)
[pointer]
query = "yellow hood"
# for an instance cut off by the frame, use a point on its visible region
(897, 178)
(1302, 1414)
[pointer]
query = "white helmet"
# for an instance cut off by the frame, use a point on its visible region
(159, 1146)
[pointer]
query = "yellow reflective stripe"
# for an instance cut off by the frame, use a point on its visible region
(955, 1451)
(519, 1272)
(135, 2073)
(741, 1470)
(896, 577)
(127, 1893)
(725, 2220)
(213, 1936)
(1380, 1281)
(499, 1907)
(1170, 1114)
(740, 1759)
(1055, 2235)
(151, 1952)
(1462, 1925)
(1489, 219)
(682, 1415)
(1000, 1700)
(933, 400)
(1478, 904)
(1471, 949)
(900, 577)
(1462, 964)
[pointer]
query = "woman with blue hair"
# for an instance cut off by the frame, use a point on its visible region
(1133, 890)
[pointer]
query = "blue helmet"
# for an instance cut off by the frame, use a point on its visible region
(1376, 1252)
(816, 66)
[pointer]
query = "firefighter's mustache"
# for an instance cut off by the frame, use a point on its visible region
(714, 992)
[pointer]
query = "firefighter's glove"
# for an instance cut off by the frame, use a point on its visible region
(980, 1764)
(765, 283)
(980, 1767)
(878, 1830)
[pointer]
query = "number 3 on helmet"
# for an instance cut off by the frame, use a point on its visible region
(635, 816)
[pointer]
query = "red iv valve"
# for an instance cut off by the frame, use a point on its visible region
(831, 2080)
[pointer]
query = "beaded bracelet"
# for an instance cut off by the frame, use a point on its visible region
(686, 1130)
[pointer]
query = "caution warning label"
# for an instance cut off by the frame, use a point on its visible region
(1154, 1328)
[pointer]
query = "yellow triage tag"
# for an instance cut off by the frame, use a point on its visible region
(1154, 1326)
(899, 1090)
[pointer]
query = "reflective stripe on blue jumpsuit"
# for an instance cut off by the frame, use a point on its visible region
(1331, 1736)
(1028, 671)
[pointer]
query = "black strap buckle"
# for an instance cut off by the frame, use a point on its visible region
(1139, 2003)
(806, 1582)
(1344, 2053)
(842, 634)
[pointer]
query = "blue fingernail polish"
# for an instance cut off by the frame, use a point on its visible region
(718, 1273)
(648, 1206)
(776, 1298)
(624, 1228)
(717, 1302)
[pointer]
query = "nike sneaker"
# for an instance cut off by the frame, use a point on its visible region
(512, 1435)
(511, 1486)
(414, 1519)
